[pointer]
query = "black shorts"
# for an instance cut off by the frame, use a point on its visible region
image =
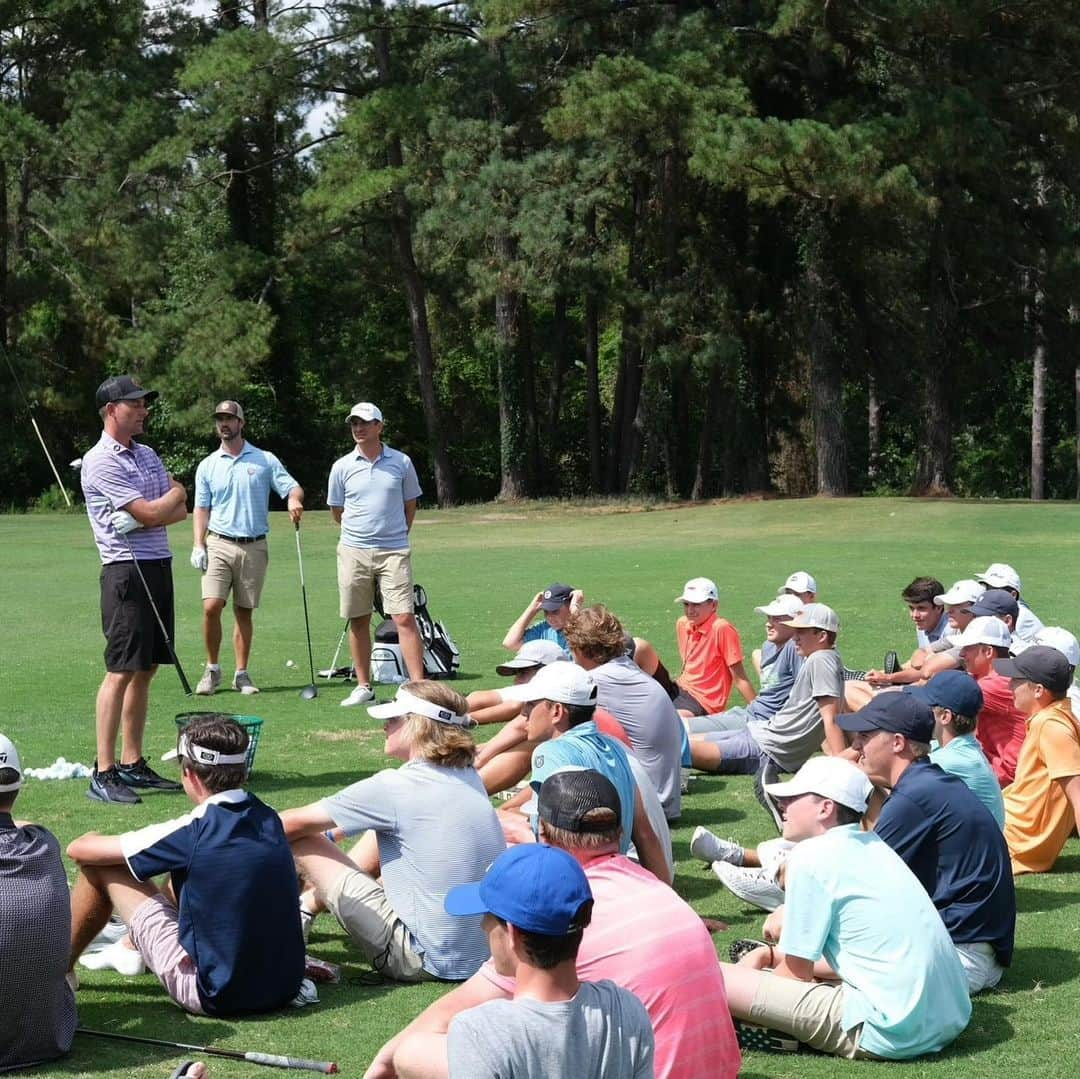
(684, 702)
(133, 639)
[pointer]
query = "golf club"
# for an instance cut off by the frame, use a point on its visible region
(329, 673)
(157, 614)
(270, 1059)
(309, 692)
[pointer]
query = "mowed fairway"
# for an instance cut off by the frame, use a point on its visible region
(480, 566)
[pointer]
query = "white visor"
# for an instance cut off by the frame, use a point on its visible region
(404, 703)
(201, 755)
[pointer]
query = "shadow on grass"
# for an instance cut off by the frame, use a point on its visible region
(265, 782)
(1034, 900)
(1033, 967)
(989, 1026)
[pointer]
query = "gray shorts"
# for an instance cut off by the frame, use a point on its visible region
(740, 754)
(734, 719)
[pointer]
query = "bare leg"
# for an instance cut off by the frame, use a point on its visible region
(705, 756)
(98, 891)
(319, 862)
(645, 656)
(412, 648)
(211, 628)
(360, 646)
(365, 854)
(857, 695)
(110, 703)
(741, 984)
(133, 715)
(242, 634)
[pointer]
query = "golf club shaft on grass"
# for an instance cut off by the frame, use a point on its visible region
(337, 651)
(157, 614)
(310, 690)
(270, 1059)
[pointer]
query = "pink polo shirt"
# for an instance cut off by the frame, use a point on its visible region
(644, 937)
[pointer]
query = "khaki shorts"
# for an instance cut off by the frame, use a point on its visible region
(813, 1012)
(236, 567)
(359, 568)
(360, 905)
(155, 931)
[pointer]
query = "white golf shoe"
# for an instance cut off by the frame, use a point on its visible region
(711, 848)
(758, 887)
(361, 695)
(118, 957)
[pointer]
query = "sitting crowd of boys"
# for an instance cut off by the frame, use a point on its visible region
(914, 795)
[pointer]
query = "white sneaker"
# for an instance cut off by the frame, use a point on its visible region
(361, 695)
(758, 887)
(118, 957)
(711, 848)
(114, 930)
(242, 681)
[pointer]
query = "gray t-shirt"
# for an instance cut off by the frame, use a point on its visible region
(650, 801)
(603, 1033)
(436, 829)
(795, 733)
(36, 1004)
(640, 704)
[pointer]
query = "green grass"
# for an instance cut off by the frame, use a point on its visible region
(480, 565)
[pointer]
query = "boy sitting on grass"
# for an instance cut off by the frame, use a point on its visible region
(224, 935)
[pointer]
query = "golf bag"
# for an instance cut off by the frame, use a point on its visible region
(441, 656)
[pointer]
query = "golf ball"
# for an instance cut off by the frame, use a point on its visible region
(289, 663)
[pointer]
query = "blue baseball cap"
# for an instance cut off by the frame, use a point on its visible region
(900, 713)
(996, 602)
(537, 888)
(955, 690)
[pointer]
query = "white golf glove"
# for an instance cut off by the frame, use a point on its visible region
(123, 522)
(199, 560)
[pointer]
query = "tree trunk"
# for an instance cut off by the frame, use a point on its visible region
(592, 392)
(5, 233)
(1076, 398)
(1034, 319)
(702, 487)
(873, 429)
(513, 423)
(415, 291)
(560, 337)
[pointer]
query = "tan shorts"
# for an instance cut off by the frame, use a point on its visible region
(236, 567)
(358, 569)
(813, 1012)
(360, 905)
(155, 931)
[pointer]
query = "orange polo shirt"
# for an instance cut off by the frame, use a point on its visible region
(1038, 817)
(708, 651)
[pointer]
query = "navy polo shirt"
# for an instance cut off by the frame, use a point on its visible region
(233, 871)
(950, 841)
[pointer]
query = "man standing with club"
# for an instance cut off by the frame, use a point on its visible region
(130, 500)
(232, 493)
(372, 494)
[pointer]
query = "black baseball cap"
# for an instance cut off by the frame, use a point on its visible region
(122, 388)
(567, 797)
(1040, 664)
(556, 596)
(900, 713)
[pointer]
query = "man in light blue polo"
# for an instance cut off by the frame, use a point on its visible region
(232, 493)
(372, 494)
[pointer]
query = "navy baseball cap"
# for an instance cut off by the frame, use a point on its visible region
(555, 596)
(537, 888)
(955, 690)
(122, 388)
(996, 602)
(900, 713)
(1041, 664)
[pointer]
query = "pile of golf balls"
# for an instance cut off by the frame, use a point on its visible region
(60, 769)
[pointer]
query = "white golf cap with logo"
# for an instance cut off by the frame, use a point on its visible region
(1056, 637)
(986, 629)
(800, 581)
(564, 683)
(965, 591)
(405, 703)
(784, 606)
(365, 410)
(9, 758)
(815, 616)
(698, 590)
(1000, 575)
(533, 654)
(828, 777)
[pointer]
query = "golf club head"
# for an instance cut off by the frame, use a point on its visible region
(309, 693)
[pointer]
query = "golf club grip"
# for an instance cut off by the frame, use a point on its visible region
(296, 1063)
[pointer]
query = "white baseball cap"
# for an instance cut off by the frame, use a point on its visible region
(565, 683)
(784, 606)
(815, 616)
(365, 410)
(532, 654)
(405, 703)
(965, 591)
(828, 777)
(9, 758)
(999, 575)
(800, 581)
(986, 629)
(698, 590)
(1052, 637)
